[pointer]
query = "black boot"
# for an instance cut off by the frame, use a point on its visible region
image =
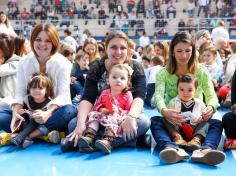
(86, 142)
(67, 145)
(105, 144)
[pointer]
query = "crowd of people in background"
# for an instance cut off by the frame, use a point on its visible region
(128, 15)
(90, 94)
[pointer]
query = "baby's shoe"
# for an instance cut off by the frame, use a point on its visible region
(86, 142)
(54, 137)
(178, 139)
(195, 143)
(27, 142)
(105, 144)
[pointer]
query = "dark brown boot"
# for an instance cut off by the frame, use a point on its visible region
(86, 142)
(105, 144)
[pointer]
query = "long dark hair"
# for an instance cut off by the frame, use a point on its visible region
(183, 37)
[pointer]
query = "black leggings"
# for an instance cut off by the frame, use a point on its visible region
(229, 124)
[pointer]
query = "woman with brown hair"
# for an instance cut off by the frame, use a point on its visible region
(182, 60)
(162, 49)
(44, 58)
(91, 47)
(136, 123)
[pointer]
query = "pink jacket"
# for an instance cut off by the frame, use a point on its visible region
(123, 101)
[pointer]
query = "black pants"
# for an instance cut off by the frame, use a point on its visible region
(150, 92)
(229, 124)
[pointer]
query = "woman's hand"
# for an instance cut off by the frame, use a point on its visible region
(129, 128)
(207, 113)
(16, 121)
(201, 41)
(40, 116)
(173, 116)
(76, 134)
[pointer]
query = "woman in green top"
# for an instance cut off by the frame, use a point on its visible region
(182, 60)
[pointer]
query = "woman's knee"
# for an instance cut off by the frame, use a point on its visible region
(72, 125)
(143, 123)
(5, 119)
(68, 112)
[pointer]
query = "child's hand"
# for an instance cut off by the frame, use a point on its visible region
(115, 109)
(196, 120)
(72, 79)
(21, 111)
(104, 111)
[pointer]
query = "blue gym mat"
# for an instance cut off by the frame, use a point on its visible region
(43, 159)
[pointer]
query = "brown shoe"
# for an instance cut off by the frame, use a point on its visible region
(86, 142)
(172, 155)
(178, 139)
(105, 144)
(195, 143)
(208, 156)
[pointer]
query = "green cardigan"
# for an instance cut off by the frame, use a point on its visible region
(166, 88)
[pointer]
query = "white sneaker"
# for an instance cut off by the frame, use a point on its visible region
(76, 99)
(172, 155)
(208, 156)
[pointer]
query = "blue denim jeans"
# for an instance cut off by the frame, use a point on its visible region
(77, 88)
(58, 121)
(143, 123)
(163, 138)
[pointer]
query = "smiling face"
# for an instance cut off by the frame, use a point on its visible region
(43, 45)
(159, 51)
(208, 57)
(182, 53)
(90, 49)
(117, 51)
(186, 91)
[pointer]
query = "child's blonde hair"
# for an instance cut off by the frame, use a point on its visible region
(211, 49)
(41, 80)
(129, 74)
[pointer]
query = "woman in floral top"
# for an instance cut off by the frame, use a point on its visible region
(182, 60)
